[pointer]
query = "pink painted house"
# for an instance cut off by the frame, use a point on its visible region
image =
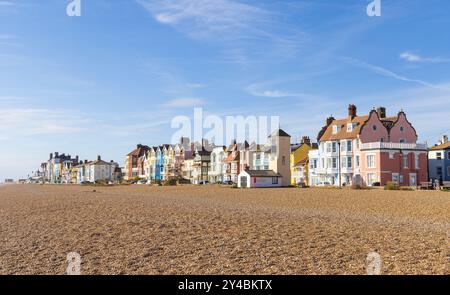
(369, 149)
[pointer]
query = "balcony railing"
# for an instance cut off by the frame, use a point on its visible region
(393, 146)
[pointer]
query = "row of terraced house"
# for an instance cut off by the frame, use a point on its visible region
(65, 169)
(370, 149)
(201, 162)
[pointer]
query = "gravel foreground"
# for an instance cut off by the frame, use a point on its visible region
(220, 230)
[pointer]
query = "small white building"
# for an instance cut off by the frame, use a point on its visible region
(259, 178)
(98, 170)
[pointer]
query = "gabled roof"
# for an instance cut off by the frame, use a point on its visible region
(358, 121)
(139, 151)
(263, 173)
(443, 146)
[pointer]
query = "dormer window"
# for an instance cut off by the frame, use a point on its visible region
(349, 127)
(336, 129)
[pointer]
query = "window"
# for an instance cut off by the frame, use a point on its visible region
(349, 145)
(401, 178)
(402, 141)
(371, 178)
(374, 127)
(334, 163)
(357, 161)
(370, 161)
(328, 163)
(417, 161)
(349, 162)
(448, 155)
(357, 143)
(328, 147)
(395, 177)
(439, 156)
(334, 147)
(335, 130)
(274, 180)
(349, 127)
(401, 128)
(283, 160)
(448, 171)
(405, 161)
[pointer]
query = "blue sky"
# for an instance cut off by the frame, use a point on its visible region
(117, 75)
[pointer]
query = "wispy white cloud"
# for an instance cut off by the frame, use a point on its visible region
(196, 85)
(201, 18)
(411, 57)
(256, 90)
(184, 102)
(7, 3)
(261, 31)
(385, 72)
(18, 122)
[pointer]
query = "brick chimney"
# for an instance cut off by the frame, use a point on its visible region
(99, 158)
(381, 112)
(51, 156)
(329, 120)
(352, 111)
(305, 140)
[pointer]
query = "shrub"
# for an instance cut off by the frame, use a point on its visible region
(391, 186)
(170, 182)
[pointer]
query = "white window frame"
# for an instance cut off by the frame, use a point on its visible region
(349, 127)
(369, 178)
(397, 176)
(335, 129)
(405, 163)
(368, 162)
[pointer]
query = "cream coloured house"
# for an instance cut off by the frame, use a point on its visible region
(277, 150)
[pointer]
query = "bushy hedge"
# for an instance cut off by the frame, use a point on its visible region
(170, 182)
(391, 186)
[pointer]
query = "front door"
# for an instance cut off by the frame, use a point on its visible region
(243, 181)
(413, 179)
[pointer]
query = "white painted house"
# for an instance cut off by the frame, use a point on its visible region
(277, 172)
(95, 171)
(259, 179)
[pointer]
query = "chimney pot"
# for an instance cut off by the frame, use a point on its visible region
(329, 120)
(381, 112)
(305, 139)
(352, 111)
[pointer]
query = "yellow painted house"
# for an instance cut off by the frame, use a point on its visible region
(299, 161)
